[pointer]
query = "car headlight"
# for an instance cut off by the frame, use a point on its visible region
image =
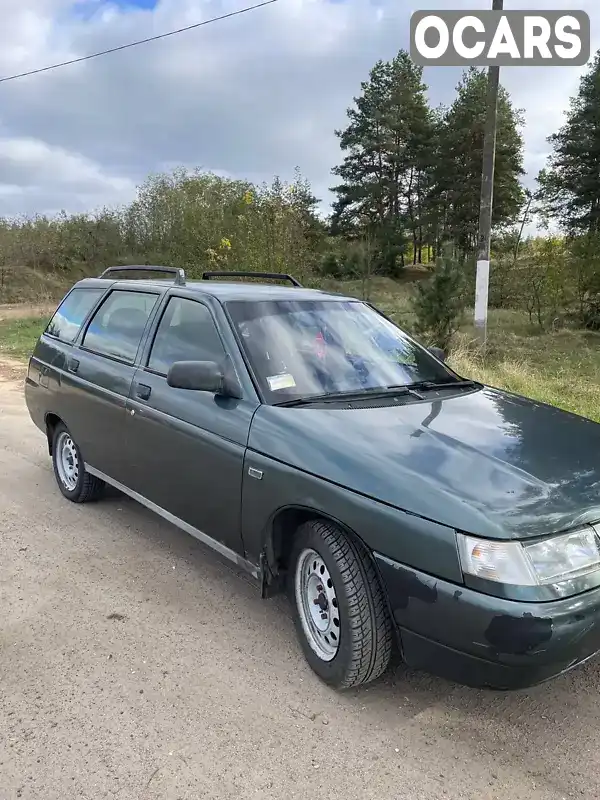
(552, 560)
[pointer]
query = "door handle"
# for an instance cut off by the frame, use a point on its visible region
(72, 365)
(142, 391)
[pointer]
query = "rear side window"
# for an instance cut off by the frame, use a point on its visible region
(69, 316)
(116, 328)
(186, 332)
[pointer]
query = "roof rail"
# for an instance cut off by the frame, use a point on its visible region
(179, 274)
(274, 276)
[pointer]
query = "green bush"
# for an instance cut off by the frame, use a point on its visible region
(438, 303)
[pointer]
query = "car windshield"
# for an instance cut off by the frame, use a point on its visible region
(304, 348)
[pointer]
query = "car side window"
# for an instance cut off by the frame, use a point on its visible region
(117, 326)
(68, 317)
(186, 332)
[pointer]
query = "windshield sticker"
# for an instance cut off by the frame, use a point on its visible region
(277, 382)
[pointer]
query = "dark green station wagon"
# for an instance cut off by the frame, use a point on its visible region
(307, 438)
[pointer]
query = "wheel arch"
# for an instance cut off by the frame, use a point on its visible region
(51, 420)
(279, 538)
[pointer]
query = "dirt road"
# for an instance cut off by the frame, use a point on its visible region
(135, 665)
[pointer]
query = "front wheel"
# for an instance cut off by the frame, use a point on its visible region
(340, 611)
(73, 480)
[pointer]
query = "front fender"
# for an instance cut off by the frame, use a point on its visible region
(270, 487)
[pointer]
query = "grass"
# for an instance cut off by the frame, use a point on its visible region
(18, 336)
(21, 284)
(560, 368)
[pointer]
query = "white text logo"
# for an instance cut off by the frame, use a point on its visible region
(500, 38)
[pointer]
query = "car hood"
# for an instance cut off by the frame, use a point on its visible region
(485, 462)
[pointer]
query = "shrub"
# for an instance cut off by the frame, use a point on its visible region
(439, 303)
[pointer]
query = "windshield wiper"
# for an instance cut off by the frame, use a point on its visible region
(333, 397)
(441, 384)
(376, 392)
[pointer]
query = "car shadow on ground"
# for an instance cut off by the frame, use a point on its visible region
(541, 729)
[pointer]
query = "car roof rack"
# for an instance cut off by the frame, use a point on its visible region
(179, 274)
(274, 276)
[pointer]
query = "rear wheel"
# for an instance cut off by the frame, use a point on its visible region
(340, 612)
(73, 480)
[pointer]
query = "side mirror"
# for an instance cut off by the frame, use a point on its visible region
(438, 353)
(199, 376)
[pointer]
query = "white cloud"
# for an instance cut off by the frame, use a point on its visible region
(39, 178)
(31, 161)
(250, 96)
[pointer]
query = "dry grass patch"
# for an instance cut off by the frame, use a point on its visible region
(560, 369)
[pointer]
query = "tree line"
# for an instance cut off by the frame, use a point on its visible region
(186, 218)
(407, 190)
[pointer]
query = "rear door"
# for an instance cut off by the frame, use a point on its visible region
(187, 447)
(98, 376)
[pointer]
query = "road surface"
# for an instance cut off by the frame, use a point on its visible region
(136, 665)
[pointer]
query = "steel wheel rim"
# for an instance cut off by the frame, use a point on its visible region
(67, 461)
(317, 605)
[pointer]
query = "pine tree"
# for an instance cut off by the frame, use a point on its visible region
(385, 172)
(570, 186)
(459, 161)
(439, 302)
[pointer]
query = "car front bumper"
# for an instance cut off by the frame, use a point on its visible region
(483, 641)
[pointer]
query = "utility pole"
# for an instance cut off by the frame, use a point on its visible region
(487, 198)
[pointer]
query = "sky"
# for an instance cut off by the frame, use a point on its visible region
(249, 97)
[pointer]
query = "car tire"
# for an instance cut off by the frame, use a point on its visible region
(340, 611)
(75, 483)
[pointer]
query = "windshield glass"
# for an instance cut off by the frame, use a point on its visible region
(300, 348)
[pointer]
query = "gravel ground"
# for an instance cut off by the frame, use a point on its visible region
(136, 665)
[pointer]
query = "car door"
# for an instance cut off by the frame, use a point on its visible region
(98, 376)
(186, 448)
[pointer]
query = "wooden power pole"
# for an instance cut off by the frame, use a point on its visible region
(487, 198)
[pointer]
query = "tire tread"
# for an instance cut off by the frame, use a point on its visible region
(90, 488)
(371, 636)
